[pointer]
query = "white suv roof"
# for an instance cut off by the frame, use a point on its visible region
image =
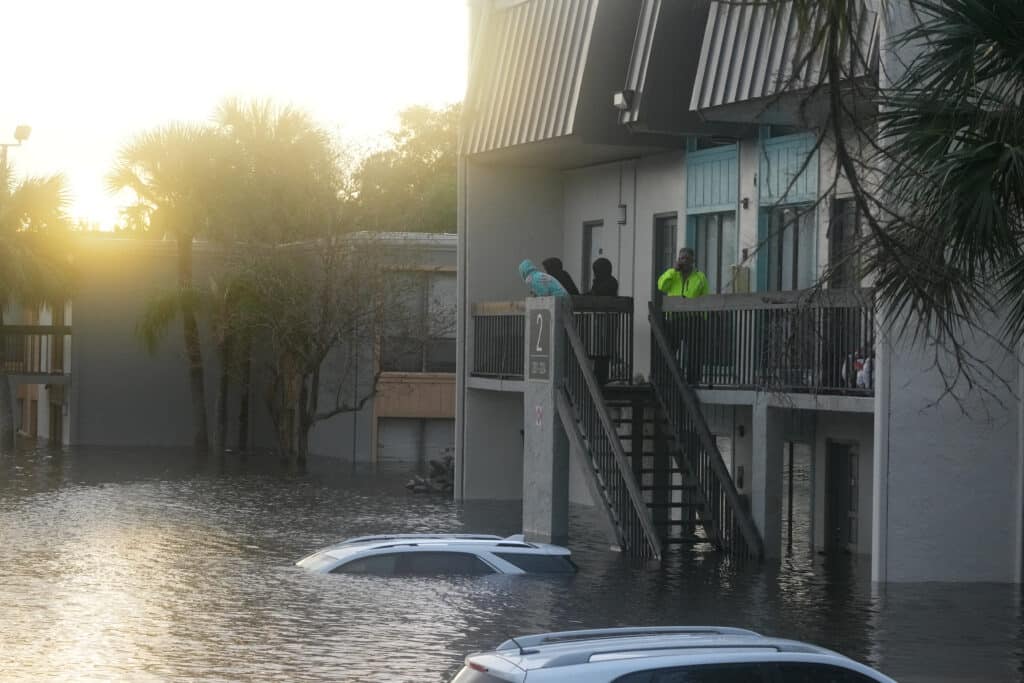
(494, 555)
(605, 655)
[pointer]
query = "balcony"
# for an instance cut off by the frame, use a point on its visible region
(812, 341)
(604, 323)
(818, 341)
(34, 349)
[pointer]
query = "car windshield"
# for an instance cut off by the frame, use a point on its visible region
(540, 564)
(318, 562)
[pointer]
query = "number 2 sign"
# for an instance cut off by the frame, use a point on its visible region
(539, 341)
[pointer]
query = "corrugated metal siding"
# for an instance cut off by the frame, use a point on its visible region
(781, 161)
(636, 75)
(756, 50)
(526, 84)
(712, 178)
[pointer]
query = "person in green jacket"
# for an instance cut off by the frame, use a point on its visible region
(683, 279)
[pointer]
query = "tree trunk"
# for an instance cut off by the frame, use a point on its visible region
(221, 432)
(6, 404)
(192, 347)
(244, 391)
(6, 414)
(304, 423)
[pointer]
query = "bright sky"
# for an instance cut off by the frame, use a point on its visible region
(89, 75)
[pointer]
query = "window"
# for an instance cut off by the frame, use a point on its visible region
(701, 673)
(805, 672)
(438, 563)
(432, 563)
(540, 564)
(844, 235)
(381, 565)
(421, 335)
(791, 257)
(716, 248)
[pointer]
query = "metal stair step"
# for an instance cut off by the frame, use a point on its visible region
(677, 505)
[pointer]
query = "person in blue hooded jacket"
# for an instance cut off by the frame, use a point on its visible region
(540, 283)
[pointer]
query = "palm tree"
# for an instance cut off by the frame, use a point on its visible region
(934, 157)
(286, 188)
(175, 172)
(32, 268)
(288, 179)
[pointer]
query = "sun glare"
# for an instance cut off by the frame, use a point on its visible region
(87, 76)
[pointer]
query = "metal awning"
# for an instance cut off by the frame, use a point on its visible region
(754, 51)
(527, 73)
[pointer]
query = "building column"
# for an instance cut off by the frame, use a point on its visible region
(545, 444)
(766, 474)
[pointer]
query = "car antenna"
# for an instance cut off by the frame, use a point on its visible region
(522, 652)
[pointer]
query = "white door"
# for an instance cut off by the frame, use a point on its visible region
(593, 249)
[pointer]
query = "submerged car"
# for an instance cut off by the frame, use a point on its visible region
(672, 654)
(439, 554)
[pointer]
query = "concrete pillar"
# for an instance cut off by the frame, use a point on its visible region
(545, 444)
(766, 475)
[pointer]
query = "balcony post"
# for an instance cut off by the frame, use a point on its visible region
(766, 474)
(545, 444)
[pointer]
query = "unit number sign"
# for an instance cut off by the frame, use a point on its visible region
(539, 345)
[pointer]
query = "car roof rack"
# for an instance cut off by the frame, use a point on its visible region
(401, 537)
(522, 642)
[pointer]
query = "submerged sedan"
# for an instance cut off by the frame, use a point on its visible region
(439, 554)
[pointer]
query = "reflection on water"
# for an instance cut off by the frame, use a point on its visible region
(157, 565)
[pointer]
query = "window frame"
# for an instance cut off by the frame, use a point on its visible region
(429, 342)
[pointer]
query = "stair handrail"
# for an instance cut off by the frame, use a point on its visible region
(707, 439)
(619, 455)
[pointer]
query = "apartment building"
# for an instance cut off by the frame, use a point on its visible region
(627, 129)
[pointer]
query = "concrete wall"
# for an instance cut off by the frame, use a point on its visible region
(948, 504)
(506, 215)
(660, 190)
(594, 194)
(121, 395)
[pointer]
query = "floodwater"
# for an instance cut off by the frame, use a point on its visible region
(153, 565)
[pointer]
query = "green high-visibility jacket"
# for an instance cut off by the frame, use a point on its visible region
(672, 283)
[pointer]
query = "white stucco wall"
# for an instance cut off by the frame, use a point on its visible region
(949, 506)
(661, 189)
(507, 214)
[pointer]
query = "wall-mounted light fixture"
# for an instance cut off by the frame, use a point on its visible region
(622, 219)
(623, 99)
(745, 202)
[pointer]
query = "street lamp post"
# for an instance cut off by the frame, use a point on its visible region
(21, 134)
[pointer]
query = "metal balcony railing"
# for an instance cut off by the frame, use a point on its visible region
(604, 323)
(33, 349)
(813, 341)
(499, 328)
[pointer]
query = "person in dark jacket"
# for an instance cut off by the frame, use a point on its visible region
(604, 284)
(604, 327)
(554, 268)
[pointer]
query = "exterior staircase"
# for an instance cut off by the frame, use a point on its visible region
(653, 467)
(668, 485)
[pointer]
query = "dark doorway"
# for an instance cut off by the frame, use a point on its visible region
(665, 231)
(841, 492)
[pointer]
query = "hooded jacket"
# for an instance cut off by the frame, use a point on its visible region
(540, 284)
(554, 267)
(604, 283)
